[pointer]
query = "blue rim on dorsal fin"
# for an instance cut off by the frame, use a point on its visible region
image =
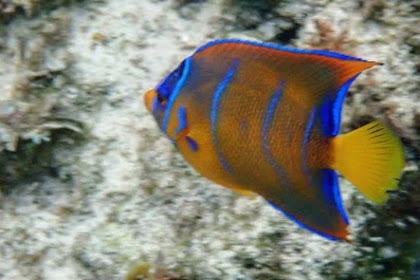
(330, 109)
(281, 48)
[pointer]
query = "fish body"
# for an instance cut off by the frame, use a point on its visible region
(260, 118)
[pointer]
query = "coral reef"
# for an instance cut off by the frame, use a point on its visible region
(90, 188)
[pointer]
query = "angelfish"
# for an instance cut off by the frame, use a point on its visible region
(262, 118)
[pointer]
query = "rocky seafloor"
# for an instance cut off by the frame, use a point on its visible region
(91, 189)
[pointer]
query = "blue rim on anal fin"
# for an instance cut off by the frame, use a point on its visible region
(332, 192)
(299, 223)
(331, 208)
(330, 109)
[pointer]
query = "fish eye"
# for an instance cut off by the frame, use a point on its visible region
(167, 85)
(161, 99)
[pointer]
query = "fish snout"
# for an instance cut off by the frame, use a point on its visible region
(148, 99)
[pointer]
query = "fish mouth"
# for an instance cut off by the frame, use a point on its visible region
(148, 99)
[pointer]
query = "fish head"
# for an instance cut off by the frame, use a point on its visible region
(158, 99)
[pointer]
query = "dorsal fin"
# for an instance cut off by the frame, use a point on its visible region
(312, 75)
(278, 47)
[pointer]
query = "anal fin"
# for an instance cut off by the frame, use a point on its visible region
(317, 207)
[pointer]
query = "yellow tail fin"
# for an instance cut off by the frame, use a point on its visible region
(371, 158)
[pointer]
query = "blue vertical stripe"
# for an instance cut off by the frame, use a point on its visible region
(305, 143)
(215, 112)
(175, 94)
(182, 119)
(267, 122)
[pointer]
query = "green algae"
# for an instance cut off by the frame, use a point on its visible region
(139, 272)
